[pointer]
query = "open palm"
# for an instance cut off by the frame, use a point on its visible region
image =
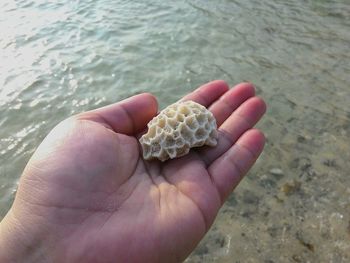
(88, 196)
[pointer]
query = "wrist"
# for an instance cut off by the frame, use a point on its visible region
(18, 244)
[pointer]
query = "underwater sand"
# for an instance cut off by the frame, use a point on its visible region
(59, 58)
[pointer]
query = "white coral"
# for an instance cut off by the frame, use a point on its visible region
(178, 128)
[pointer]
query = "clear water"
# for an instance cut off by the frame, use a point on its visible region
(61, 57)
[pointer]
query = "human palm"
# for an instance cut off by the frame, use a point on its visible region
(90, 197)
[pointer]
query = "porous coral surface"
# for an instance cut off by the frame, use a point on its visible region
(178, 128)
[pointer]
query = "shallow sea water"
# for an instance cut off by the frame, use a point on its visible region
(61, 57)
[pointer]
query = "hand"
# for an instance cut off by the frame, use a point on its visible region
(87, 195)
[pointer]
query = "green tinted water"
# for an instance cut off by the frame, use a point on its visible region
(58, 58)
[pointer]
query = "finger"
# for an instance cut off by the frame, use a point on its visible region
(226, 104)
(208, 93)
(128, 116)
(228, 170)
(241, 120)
(205, 94)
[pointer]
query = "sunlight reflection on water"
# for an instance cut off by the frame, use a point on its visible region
(58, 58)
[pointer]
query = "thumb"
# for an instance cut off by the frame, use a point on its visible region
(128, 116)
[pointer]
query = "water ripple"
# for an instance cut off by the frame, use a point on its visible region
(62, 57)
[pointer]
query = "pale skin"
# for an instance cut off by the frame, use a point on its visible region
(86, 195)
